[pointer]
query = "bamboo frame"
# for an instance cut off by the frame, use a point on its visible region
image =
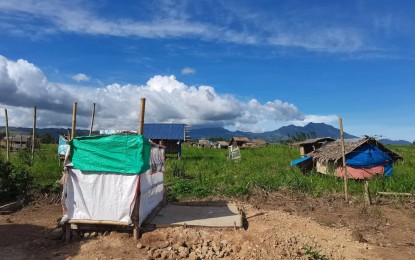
(32, 158)
(74, 121)
(92, 120)
(346, 195)
(7, 137)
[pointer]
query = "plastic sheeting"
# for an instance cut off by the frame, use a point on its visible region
(100, 196)
(123, 154)
(367, 156)
(360, 173)
(63, 146)
(152, 193)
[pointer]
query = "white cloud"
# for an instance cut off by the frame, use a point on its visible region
(188, 71)
(168, 100)
(327, 119)
(80, 77)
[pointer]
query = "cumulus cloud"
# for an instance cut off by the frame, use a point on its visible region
(168, 101)
(327, 119)
(80, 77)
(188, 71)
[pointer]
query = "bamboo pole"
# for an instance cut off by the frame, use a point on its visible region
(33, 137)
(368, 199)
(136, 217)
(74, 121)
(92, 120)
(385, 193)
(141, 120)
(346, 195)
(7, 136)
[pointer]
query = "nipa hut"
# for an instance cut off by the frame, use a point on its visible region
(311, 145)
(364, 158)
(238, 141)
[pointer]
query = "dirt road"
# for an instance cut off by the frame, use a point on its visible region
(278, 226)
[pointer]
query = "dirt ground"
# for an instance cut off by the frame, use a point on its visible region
(277, 226)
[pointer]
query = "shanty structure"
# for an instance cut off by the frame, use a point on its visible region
(203, 143)
(364, 158)
(17, 142)
(310, 145)
(238, 141)
(256, 143)
(112, 180)
(169, 135)
(221, 145)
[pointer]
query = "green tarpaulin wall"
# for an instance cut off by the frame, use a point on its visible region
(121, 153)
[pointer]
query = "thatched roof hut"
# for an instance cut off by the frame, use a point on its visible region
(311, 145)
(364, 158)
(332, 151)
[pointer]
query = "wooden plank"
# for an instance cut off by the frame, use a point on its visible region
(385, 193)
(97, 222)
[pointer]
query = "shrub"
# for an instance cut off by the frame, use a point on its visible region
(14, 181)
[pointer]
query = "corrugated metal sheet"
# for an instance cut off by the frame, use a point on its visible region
(164, 131)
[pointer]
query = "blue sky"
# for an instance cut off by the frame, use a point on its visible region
(247, 65)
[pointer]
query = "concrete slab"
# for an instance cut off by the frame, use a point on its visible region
(204, 216)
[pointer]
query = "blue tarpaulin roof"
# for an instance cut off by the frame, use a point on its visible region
(366, 156)
(297, 161)
(165, 131)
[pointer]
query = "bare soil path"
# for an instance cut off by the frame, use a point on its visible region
(278, 226)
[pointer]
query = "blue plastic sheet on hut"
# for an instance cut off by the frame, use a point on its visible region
(300, 160)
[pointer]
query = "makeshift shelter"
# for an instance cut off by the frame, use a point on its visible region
(221, 144)
(311, 145)
(113, 179)
(17, 142)
(238, 141)
(169, 135)
(364, 158)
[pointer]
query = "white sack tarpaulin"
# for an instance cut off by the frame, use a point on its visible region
(100, 195)
(152, 193)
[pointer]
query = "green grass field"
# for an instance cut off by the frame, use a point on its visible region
(206, 172)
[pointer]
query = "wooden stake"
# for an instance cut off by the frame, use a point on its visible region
(141, 120)
(346, 195)
(368, 200)
(7, 136)
(74, 121)
(92, 121)
(136, 217)
(33, 137)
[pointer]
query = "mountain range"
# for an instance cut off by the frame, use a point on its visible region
(311, 130)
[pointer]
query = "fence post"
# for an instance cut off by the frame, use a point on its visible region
(74, 121)
(346, 195)
(92, 120)
(7, 136)
(33, 137)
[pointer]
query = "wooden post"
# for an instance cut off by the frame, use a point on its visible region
(368, 199)
(92, 121)
(33, 137)
(346, 195)
(74, 121)
(141, 120)
(7, 136)
(136, 217)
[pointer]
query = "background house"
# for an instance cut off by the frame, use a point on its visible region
(310, 145)
(238, 141)
(17, 142)
(221, 144)
(169, 135)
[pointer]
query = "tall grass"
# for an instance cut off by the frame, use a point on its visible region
(208, 171)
